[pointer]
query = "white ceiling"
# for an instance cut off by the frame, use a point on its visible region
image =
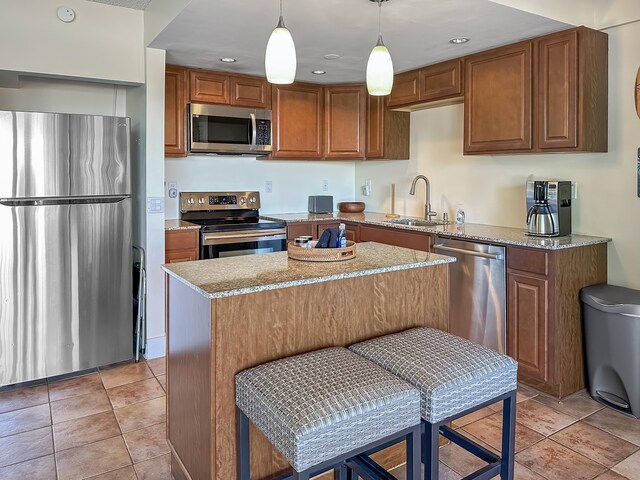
(417, 33)
(135, 4)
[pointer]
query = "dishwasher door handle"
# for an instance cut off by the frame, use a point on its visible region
(490, 256)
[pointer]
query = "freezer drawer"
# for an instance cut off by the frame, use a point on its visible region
(65, 287)
(477, 291)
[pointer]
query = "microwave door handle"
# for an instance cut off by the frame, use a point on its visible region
(254, 129)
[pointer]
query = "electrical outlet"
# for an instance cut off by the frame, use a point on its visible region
(325, 185)
(366, 188)
(268, 186)
(574, 190)
(172, 189)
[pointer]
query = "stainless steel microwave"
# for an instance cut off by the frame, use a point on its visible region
(220, 129)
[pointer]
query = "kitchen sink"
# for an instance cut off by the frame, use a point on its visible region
(413, 222)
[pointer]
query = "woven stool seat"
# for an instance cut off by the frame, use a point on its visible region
(452, 374)
(323, 404)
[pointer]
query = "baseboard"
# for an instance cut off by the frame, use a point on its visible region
(156, 347)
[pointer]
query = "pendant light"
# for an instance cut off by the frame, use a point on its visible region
(280, 57)
(379, 66)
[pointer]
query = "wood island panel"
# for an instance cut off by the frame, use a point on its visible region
(255, 328)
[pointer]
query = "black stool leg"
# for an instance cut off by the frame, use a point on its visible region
(301, 475)
(413, 440)
(341, 472)
(430, 453)
(508, 436)
(243, 451)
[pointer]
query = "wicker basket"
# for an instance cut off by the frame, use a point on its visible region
(322, 254)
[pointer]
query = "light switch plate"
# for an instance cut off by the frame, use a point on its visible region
(155, 205)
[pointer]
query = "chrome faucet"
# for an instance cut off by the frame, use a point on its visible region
(428, 213)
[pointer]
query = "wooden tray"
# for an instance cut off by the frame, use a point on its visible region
(322, 254)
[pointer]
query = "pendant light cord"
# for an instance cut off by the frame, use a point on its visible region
(379, 18)
(281, 19)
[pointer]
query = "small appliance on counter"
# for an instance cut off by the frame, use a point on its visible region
(320, 204)
(548, 208)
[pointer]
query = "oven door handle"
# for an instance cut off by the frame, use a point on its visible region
(221, 239)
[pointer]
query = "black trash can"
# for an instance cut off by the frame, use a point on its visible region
(611, 320)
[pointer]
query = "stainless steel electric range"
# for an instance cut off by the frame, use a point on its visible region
(231, 225)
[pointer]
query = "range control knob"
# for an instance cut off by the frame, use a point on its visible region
(252, 200)
(201, 201)
(242, 201)
(191, 201)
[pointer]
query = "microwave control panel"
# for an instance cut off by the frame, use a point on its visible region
(263, 132)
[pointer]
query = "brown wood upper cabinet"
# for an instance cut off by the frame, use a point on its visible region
(441, 81)
(344, 121)
(175, 82)
(298, 113)
(225, 89)
(387, 131)
(549, 94)
(406, 89)
(417, 89)
(572, 87)
(497, 102)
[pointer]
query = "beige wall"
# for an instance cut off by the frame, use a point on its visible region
(104, 43)
(492, 188)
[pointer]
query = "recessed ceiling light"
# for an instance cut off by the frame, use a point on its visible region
(331, 56)
(318, 72)
(228, 60)
(459, 40)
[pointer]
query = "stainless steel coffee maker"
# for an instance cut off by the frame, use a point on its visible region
(548, 208)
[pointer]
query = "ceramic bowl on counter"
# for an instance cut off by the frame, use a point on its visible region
(351, 207)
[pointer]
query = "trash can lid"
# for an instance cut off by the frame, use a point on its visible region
(612, 298)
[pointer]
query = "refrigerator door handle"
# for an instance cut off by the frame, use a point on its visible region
(37, 202)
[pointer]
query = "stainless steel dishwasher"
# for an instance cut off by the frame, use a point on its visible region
(477, 291)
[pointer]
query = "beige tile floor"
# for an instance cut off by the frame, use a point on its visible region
(111, 425)
(576, 439)
(105, 425)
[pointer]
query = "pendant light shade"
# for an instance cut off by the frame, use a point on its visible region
(380, 65)
(379, 70)
(280, 57)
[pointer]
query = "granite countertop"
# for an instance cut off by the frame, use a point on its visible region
(471, 231)
(179, 225)
(225, 277)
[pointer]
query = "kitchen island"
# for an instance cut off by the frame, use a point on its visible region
(226, 315)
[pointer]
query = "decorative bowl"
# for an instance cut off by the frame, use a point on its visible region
(351, 207)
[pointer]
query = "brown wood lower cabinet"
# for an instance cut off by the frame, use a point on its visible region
(529, 324)
(544, 328)
(397, 237)
(181, 245)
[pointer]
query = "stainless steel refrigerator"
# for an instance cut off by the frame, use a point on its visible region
(65, 244)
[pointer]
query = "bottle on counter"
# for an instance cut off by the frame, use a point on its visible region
(342, 236)
(460, 216)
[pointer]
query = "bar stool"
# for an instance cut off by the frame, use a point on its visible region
(322, 408)
(455, 377)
